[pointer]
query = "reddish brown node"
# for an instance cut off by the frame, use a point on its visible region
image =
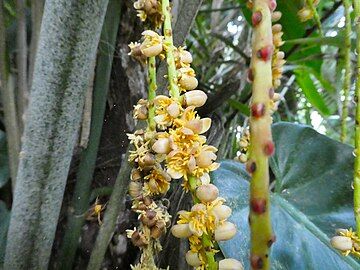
(256, 18)
(272, 5)
(250, 76)
(265, 53)
(258, 205)
(272, 240)
(257, 110)
(251, 167)
(256, 262)
(269, 148)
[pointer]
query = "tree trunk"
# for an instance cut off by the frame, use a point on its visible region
(68, 40)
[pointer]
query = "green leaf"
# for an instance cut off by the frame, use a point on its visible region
(243, 108)
(4, 163)
(310, 91)
(4, 224)
(312, 198)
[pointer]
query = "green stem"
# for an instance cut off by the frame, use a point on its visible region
(261, 140)
(80, 201)
(357, 123)
(152, 92)
(169, 47)
(347, 78)
(310, 3)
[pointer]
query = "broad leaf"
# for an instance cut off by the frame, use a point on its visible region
(4, 164)
(312, 198)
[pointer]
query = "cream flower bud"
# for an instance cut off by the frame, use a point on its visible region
(162, 146)
(230, 264)
(225, 231)
(243, 143)
(243, 158)
(152, 44)
(276, 28)
(135, 175)
(275, 16)
(196, 98)
(222, 212)
(181, 230)
(135, 189)
(305, 14)
(280, 55)
(192, 259)
(276, 97)
(205, 159)
(185, 57)
(207, 193)
(173, 109)
(188, 82)
(341, 243)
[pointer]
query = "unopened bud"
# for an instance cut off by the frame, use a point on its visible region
(158, 229)
(341, 243)
(185, 57)
(275, 16)
(198, 207)
(135, 175)
(188, 82)
(162, 146)
(195, 98)
(181, 231)
(230, 264)
(207, 193)
(141, 113)
(192, 258)
(173, 109)
(225, 231)
(305, 14)
(135, 189)
(147, 161)
(222, 212)
(243, 158)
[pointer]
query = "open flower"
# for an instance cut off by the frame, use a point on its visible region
(149, 10)
(157, 182)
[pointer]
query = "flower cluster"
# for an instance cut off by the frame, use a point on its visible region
(306, 13)
(149, 10)
(347, 242)
(206, 220)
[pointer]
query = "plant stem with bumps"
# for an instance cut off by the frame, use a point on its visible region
(261, 140)
(310, 3)
(347, 79)
(357, 124)
(152, 92)
(169, 48)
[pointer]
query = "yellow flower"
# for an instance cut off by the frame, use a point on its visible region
(157, 182)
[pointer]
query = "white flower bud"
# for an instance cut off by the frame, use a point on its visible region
(276, 97)
(225, 231)
(185, 57)
(222, 212)
(275, 16)
(181, 230)
(192, 258)
(162, 146)
(207, 193)
(198, 207)
(151, 50)
(341, 243)
(188, 82)
(230, 264)
(173, 109)
(276, 28)
(195, 98)
(243, 158)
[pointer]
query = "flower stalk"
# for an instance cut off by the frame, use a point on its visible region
(347, 78)
(152, 92)
(261, 146)
(357, 123)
